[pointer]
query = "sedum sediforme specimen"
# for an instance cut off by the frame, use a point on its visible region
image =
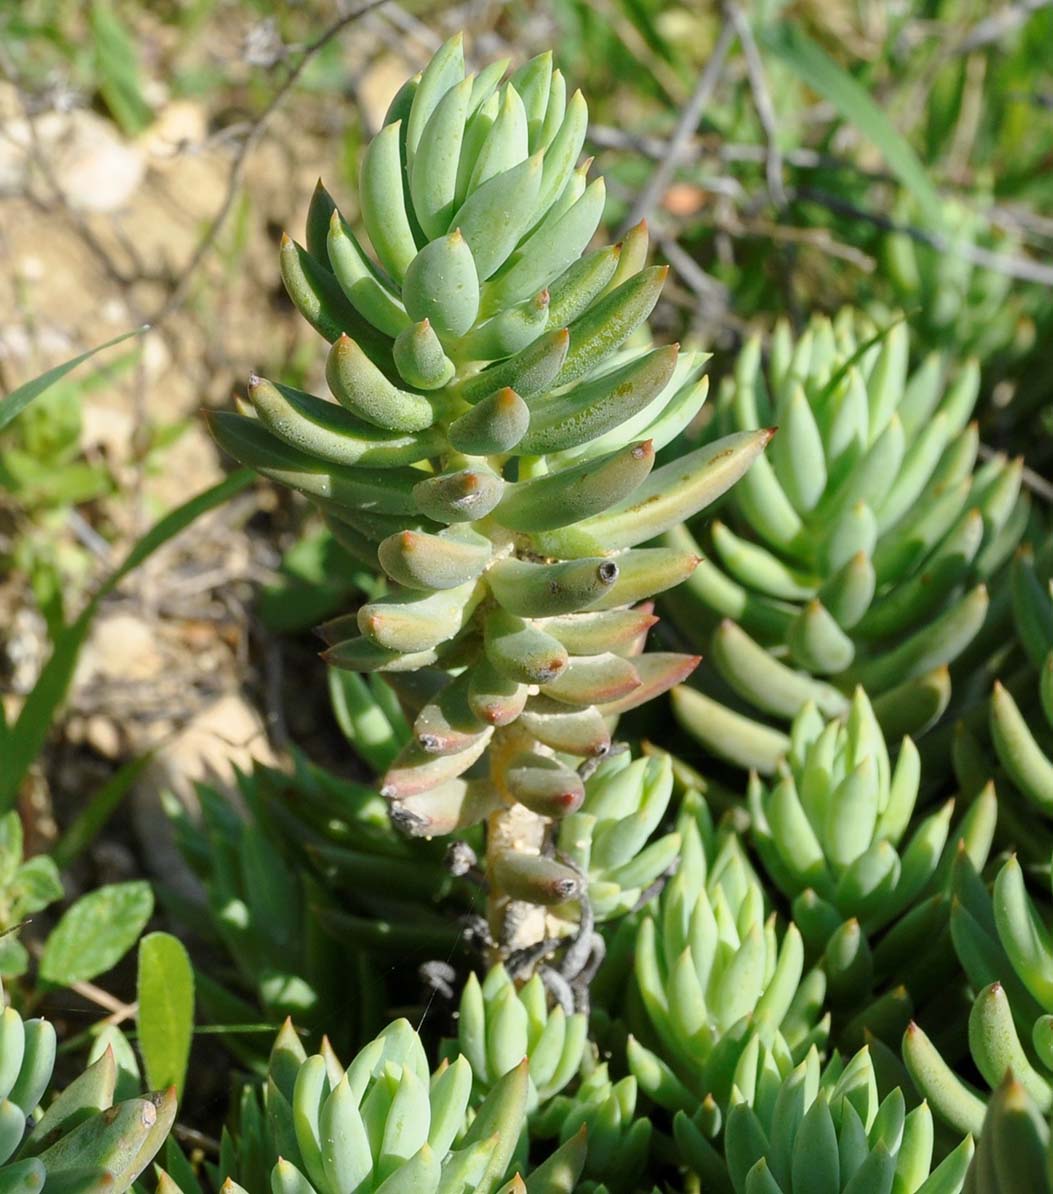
(837, 833)
(386, 1123)
(826, 1129)
(1006, 950)
(498, 1025)
(490, 446)
(856, 551)
(720, 988)
(81, 1139)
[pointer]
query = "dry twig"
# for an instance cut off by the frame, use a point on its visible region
(1014, 267)
(691, 114)
(237, 167)
(758, 81)
(999, 24)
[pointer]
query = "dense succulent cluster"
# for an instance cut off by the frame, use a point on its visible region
(384, 1123)
(498, 1025)
(305, 883)
(563, 959)
(828, 1128)
(81, 1139)
(721, 993)
(855, 552)
(952, 299)
(725, 1001)
(829, 830)
(618, 1135)
(610, 838)
(1006, 950)
(491, 449)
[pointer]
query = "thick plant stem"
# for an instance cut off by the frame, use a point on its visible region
(512, 828)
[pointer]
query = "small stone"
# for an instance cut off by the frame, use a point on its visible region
(122, 647)
(103, 736)
(98, 171)
(224, 737)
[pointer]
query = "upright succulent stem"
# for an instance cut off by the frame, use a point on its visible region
(491, 450)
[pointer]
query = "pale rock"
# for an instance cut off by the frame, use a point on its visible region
(122, 647)
(156, 356)
(103, 736)
(44, 343)
(224, 737)
(97, 170)
(107, 427)
(379, 84)
(180, 126)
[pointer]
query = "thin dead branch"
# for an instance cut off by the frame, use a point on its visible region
(690, 115)
(1021, 268)
(999, 25)
(255, 133)
(765, 110)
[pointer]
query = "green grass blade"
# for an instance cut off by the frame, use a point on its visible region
(100, 807)
(817, 70)
(16, 402)
(25, 739)
(117, 66)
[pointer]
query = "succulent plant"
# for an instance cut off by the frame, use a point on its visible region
(26, 886)
(305, 881)
(952, 300)
(721, 994)
(1006, 950)
(617, 1134)
(499, 1024)
(81, 1139)
(609, 839)
(829, 828)
(1012, 1151)
(1022, 748)
(855, 553)
(491, 449)
(826, 1129)
(384, 1123)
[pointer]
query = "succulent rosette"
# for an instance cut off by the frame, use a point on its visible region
(854, 553)
(386, 1123)
(84, 1138)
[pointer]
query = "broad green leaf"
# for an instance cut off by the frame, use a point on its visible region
(96, 932)
(26, 737)
(817, 70)
(166, 1010)
(10, 847)
(36, 885)
(14, 957)
(15, 402)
